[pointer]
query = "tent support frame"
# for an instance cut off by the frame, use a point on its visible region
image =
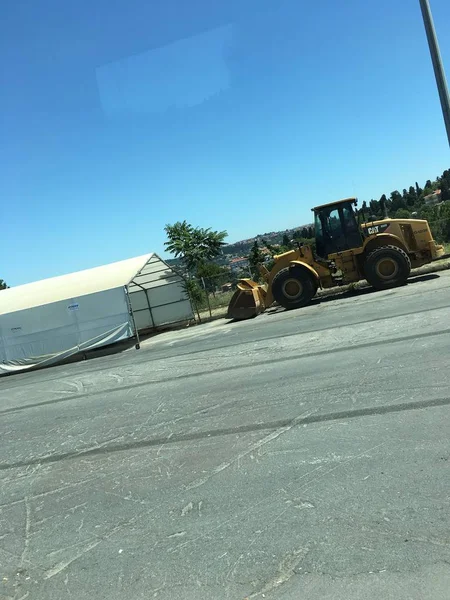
(138, 341)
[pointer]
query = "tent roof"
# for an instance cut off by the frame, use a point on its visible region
(73, 285)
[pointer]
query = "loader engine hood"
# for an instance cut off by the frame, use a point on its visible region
(419, 226)
(375, 227)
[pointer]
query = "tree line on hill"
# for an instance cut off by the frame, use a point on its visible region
(411, 200)
(411, 204)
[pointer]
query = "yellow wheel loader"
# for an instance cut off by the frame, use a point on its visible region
(381, 251)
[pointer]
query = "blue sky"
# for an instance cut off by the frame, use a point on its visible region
(119, 117)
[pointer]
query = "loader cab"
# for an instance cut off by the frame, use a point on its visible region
(336, 227)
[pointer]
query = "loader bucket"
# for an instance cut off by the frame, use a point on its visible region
(247, 301)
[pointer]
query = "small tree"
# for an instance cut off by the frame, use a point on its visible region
(3, 285)
(445, 222)
(383, 205)
(412, 196)
(270, 247)
(195, 294)
(397, 201)
(286, 242)
(375, 208)
(303, 233)
(402, 213)
(193, 245)
(210, 273)
(255, 258)
(363, 211)
(445, 190)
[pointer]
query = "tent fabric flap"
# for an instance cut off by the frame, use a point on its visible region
(44, 335)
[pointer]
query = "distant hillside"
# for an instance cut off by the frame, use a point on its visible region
(274, 237)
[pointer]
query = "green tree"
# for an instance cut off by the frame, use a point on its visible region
(286, 242)
(445, 190)
(196, 295)
(384, 205)
(193, 245)
(411, 198)
(255, 258)
(397, 201)
(212, 274)
(431, 214)
(445, 179)
(304, 232)
(402, 213)
(270, 247)
(375, 209)
(3, 285)
(210, 270)
(444, 222)
(444, 185)
(429, 187)
(363, 212)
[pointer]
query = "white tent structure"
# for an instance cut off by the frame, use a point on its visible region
(47, 321)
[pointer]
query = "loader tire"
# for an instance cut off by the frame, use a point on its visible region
(387, 267)
(293, 288)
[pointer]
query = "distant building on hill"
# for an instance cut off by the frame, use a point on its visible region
(237, 264)
(434, 198)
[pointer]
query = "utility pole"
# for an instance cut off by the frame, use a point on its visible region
(437, 63)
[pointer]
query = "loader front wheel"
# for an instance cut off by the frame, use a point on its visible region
(387, 267)
(293, 288)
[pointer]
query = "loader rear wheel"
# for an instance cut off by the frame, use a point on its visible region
(293, 288)
(387, 267)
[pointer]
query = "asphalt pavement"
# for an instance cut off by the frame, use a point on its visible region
(301, 454)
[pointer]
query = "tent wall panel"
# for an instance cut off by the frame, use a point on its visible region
(158, 296)
(171, 313)
(43, 334)
(143, 320)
